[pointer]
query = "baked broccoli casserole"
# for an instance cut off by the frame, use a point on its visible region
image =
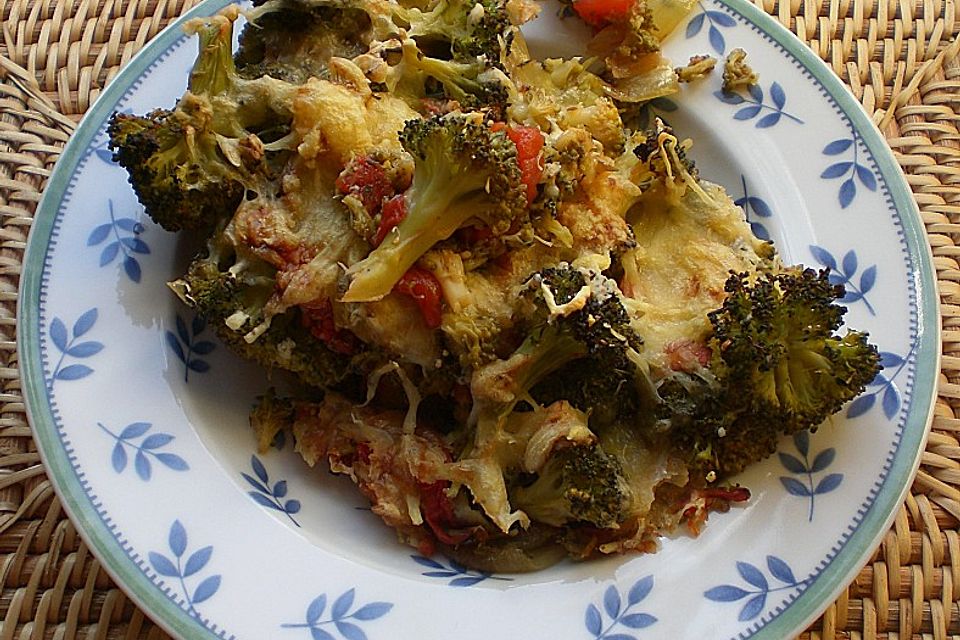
(512, 313)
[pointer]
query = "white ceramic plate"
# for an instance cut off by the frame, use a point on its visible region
(141, 415)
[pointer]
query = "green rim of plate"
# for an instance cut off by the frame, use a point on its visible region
(798, 614)
(840, 570)
(91, 526)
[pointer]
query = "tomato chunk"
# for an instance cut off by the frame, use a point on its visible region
(366, 179)
(529, 141)
(437, 510)
(393, 212)
(601, 12)
(687, 355)
(424, 288)
(318, 318)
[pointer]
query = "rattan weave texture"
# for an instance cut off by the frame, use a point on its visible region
(900, 59)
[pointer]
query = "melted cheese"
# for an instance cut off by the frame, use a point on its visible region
(337, 120)
(685, 251)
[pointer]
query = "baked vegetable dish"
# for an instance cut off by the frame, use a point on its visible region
(503, 304)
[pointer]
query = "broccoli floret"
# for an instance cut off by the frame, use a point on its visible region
(499, 387)
(699, 67)
(737, 74)
(181, 181)
(778, 337)
(566, 164)
(294, 40)
(578, 484)
(635, 38)
(626, 38)
(231, 294)
(567, 161)
(471, 84)
(666, 171)
(474, 84)
(462, 29)
(191, 166)
(666, 157)
(577, 319)
(270, 417)
(610, 380)
(464, 171)
(778, 366)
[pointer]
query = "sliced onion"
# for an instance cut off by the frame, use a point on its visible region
(657, 82)
(667, 14)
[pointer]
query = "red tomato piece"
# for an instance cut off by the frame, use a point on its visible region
(687, 355)
(318, 318)
(529, 141)
(730, 494)
(424, 288)
(437, 510)
(366, 179)
(393, 212)
(601, 12)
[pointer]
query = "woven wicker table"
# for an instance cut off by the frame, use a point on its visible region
(899, 58)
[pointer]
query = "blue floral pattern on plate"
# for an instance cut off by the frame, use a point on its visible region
(459, 575)
(757, 596)
(126, 242)
(271, 496)
(883, 386)
(340, 617)
(850, 170)
(187, 345)
(756, 104)
(844, 273)
(807, 469)
(143, 451)
(180, 571)
(104, 154)
(68, 346)
(755, 208)
(621, 617)
(715, 21)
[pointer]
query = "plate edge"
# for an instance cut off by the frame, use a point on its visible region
(869, 534)
(77, 504)
(95, 532)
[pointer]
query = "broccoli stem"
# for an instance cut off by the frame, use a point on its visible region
(436, 211)
(453, 76)
(214, 71)
(502, 384)
(546, 354)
